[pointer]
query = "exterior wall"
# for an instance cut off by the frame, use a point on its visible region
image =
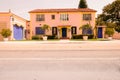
(75, 19)
(103, 31)
(116, 35)
(8, 19)
(27, 33)
(4, 22)
(20, 22)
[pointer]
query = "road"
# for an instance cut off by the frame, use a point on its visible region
(60, 61)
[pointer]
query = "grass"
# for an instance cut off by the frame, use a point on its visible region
(36, 40)
(98, 39)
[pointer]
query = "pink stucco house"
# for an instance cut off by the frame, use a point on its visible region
(63, 22)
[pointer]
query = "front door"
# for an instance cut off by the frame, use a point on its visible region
(100, 32)
(64, 32)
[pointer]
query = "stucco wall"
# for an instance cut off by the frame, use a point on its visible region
(116, 35)
(4, 22)
(7, 22)
(75, 19)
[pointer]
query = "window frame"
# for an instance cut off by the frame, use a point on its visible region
(64, 17)
(87, 17)
(54, 32)
(72, 32)
(39, 33)
(53, 17)
(40, 17)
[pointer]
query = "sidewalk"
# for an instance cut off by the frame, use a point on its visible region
(60, 45)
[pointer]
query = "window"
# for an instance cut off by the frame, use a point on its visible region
(52, 17)
(39, 31)
(87, 31)
(73, 30)
(40, 17)
(64, 17)
(54, 30)
(86, 16)
(12, 19)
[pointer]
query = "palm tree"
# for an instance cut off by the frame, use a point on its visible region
(86, 30)
(46, 28)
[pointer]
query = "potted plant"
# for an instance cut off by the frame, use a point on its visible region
(85, 31)
(6, 33)
(46, 28)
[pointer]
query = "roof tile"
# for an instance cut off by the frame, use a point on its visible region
(62, 10)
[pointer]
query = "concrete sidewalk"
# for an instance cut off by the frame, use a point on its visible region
(60, 45)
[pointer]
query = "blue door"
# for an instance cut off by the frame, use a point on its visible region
(18, 32)
(64, 32)
(100, 32)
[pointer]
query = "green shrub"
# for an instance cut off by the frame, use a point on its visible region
(90, 36)
(81, 36)
(109, 31)
(76, 36)
(6, 33)
(35, 37)
(52, 37)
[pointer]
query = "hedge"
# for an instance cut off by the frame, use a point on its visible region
(81, 36)
(52, 37)
(35, 37)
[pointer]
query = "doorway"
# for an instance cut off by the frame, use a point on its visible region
(100, 32)
(64, 32)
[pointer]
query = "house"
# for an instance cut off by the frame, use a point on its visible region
(63, 22)
(15, 23)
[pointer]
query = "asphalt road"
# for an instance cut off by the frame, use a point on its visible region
(60, 65)
(60, 61)
(60, 54)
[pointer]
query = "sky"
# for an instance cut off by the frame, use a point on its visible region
(22, 7)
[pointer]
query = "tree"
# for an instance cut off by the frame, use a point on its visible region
(45, 27)
(111, 13)
(82, 4)
(110, 29)
(86, 29)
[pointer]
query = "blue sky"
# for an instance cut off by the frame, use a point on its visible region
(21, 7)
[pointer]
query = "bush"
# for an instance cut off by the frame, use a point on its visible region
(90, 36)
(81, 36)
(6, 33)
(109, 31)
(35, 37)
(77, 36)
(52, 37)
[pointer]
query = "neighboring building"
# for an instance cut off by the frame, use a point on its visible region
(15, 23)
(63, 22)
(101, 31)
(27, 31)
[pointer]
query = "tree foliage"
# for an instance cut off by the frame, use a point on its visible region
(111, 13)
(45, 27)
(82, 4)
(86, 29)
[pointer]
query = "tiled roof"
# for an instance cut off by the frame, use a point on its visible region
(62, 10)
